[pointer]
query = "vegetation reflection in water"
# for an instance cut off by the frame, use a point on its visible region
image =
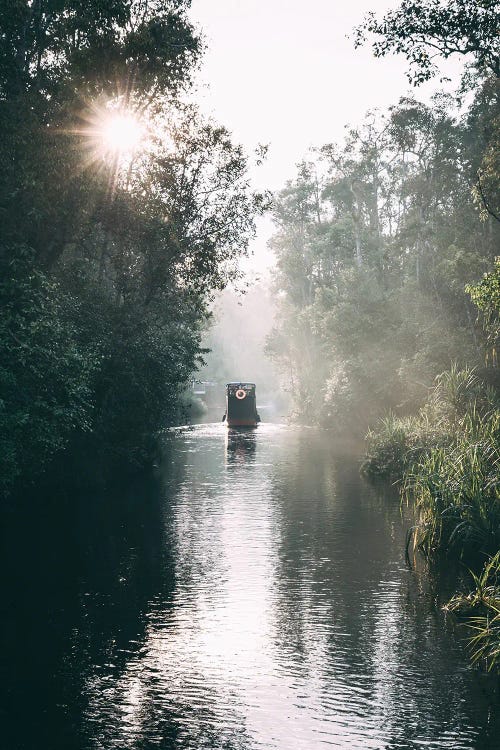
(292, 621)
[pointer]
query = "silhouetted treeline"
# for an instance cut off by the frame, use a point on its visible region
(107, 259)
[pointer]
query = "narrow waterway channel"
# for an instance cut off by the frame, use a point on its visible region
(257, 598)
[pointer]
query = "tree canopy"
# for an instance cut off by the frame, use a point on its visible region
(426, 30)
(375, 242)
(110, 250)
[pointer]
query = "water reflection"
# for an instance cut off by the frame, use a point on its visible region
(260, 601)
(77, 580)
(241, 443)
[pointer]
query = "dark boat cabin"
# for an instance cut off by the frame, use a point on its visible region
(241, 406)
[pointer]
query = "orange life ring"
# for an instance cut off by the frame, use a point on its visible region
(240, 394)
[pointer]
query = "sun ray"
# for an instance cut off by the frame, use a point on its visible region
(112, 134)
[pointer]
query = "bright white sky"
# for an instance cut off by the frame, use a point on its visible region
(283, 72)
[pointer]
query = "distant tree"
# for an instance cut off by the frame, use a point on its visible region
(424, 30)
(484, 128)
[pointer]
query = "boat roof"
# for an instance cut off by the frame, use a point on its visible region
(241, 382)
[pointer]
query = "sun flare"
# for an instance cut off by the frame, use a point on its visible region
(112, 134)
(121, 133)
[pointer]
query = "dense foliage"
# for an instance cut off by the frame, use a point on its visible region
(376, 242)
(107, 258)
(486, 295)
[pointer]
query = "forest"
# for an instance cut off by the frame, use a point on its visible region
(114, 248)
(109, 255)
(377, 242)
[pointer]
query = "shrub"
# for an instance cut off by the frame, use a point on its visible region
(481, 607)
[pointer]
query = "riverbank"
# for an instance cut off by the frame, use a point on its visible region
(446, 461)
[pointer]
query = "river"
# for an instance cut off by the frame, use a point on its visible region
(255, 596)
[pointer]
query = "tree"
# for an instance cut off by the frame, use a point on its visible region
(109, 258)
(372, 260)
(424, 30)
(78, 47)
(486, 297)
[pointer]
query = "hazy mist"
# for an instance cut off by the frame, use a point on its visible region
(236, 339)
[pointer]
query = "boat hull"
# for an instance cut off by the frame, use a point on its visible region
(241, 422)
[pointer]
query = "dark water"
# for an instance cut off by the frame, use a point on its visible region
(257, 597)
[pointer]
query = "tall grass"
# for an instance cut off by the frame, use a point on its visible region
(448, 460)
(482, 608)
(399, 442)
(456, 490)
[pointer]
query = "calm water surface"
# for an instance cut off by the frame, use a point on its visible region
(257, 597)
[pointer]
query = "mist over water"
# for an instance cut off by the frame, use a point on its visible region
(237, 340)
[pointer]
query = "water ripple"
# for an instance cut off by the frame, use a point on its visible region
(272, 610)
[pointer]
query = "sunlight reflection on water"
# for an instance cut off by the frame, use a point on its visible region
(293, 622)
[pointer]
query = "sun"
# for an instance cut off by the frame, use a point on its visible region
(112, 133)
(121, 133)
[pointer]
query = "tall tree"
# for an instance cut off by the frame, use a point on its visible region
(399, 238)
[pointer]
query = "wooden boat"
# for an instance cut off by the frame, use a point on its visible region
(241, 405)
